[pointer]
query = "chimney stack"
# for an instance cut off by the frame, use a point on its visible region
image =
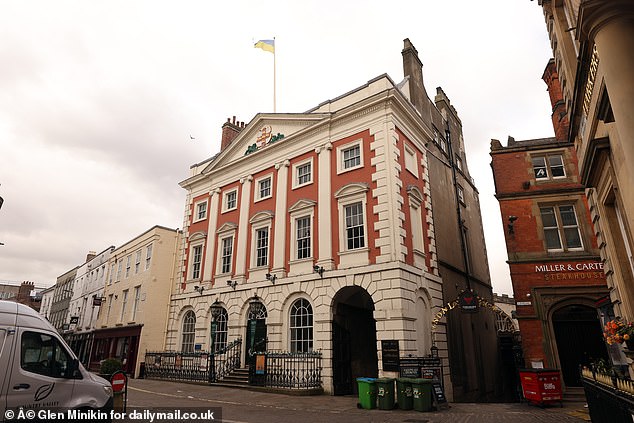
(230, 130)
(91, 255)
(413, 67)
(559, 116)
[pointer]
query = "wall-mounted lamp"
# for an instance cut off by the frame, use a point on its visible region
(232, 284)
(319, 269)
(271, 278)
(434, 351)
(199, 289)
(510, 226)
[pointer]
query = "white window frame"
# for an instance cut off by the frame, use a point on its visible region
(148, 256)
(196, 261)
(128, 266)
(348, 195)
(340, 151)
(188, 339)
(119, 270)
(228, 230)
(302, 208)
(197, 239)
(137, 299)
(197, 211)
(124, 303)
(221, 255)
(225, 200)
(561, 228)
(260, 221)
(257, 193)
(137, 263)
(548, 167)
(297, 328)
(411, 160)
(296, 167)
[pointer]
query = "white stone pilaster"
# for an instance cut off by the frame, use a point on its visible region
(324, 216)
(279, 242)
(210, 244)
(243, 229)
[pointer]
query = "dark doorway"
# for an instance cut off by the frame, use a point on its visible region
(255, 339)
(353, 338)
(579, 340)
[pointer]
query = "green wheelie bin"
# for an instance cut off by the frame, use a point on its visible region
(367, 392)
(421, 392)
(404, 396)
(385, 393)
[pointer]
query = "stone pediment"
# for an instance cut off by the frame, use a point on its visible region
(263, 133)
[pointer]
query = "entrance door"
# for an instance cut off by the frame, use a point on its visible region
(255, 339)
(354, 339)
(579, 340)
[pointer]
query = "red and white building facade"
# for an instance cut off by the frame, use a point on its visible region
(319, 224)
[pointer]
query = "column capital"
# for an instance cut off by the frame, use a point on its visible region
(248, 178)
(214, 191)
(327, 147)
(285, 163)
(596, 14)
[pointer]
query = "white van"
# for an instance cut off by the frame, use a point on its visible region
(39, 371)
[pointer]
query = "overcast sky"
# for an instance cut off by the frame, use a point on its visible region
(98, 100)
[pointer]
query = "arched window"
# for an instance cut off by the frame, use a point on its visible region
(301, 326)
(189, 332)
(219, 328)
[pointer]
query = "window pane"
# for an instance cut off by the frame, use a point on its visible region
(568, 215)
(355, 236)
(351, 157)
(189, 332)
(556, 166)
(262, 248)
(573, 240)
(227, 251)
(265, 188)
(548, 217)
(539, 166)
(301, 326)
(552, 239)
(303, 174)
(303, 237)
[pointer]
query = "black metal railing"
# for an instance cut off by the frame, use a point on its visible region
(610, 398)
(193, 366)
(288, 370)
(177, 365)
(224, 361)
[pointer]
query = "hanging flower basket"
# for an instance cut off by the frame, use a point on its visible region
(618, 332)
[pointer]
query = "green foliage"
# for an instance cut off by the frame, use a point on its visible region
(110, 365)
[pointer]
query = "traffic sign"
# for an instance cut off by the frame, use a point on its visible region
(118, 381)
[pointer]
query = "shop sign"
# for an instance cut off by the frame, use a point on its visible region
(468, 301)
(74, 320)
(571, 271)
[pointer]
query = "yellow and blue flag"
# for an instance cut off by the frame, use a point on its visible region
(266, 45)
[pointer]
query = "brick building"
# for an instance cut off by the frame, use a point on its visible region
(593, 48)
(337, 229)
(556, 270)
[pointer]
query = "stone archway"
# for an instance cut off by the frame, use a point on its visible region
(353, 339)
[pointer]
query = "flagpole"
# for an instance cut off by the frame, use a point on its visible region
(274, 76)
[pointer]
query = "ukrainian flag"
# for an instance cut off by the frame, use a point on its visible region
(266, 45)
